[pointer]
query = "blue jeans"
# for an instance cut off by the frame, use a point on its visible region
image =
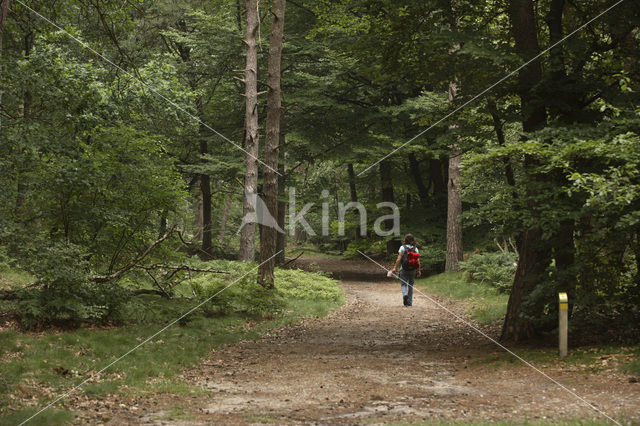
(407, 278)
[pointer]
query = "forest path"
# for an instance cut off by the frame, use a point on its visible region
(376, 361)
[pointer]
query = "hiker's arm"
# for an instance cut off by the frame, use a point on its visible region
(418, 273)
(395, 268)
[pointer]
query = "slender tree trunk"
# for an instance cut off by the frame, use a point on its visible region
(388, 195)
(386, 181)
(497, 127)
(197, 220)
(247, 234)
(533, 260)
(205, 188)
(423, 191)
(269, 235)
(225, 216)
(353, 193)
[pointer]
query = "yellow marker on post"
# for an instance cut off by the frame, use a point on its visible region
(563, 323)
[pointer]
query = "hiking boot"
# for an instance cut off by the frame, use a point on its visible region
(405, 300)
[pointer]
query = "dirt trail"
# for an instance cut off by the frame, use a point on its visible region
(377, 361)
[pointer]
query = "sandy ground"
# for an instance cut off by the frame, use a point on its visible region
(375, 361)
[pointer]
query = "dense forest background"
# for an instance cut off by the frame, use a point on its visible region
(118, 122)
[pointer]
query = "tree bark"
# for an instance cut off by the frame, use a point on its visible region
(497, 127)
(533, 260)
(386, 181)
(353, 193)
(270, 188)
(454, 202)
(454, 210)
(423, 191)
(247, 234)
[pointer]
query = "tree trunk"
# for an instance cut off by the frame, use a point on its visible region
(497, 127)
(247, 234)
(423, 191)
(353, 193)
(197, 219)
(454, 210)
(225, 216)
(454, 202)
(205, 188)
(386, 181)
(556, 55)
(270, 188)
(533, 260)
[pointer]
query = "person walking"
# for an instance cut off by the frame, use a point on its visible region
(409, 263)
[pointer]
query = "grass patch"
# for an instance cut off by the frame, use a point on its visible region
(11, 277)
(178, 413)
(53, 417)
(559, 422)
(36, 367)
(586, 360)
(488, 306)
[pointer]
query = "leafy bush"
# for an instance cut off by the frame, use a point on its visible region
(495, 269)
(297, 284)
(248, 296)
(66, 294)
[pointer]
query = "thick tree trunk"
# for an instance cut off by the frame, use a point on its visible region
(225, 216)
(454, 210)
(556, 55)
(269, 234)
(533, 259)
(454, 202)
(247, 234)
(423, 191)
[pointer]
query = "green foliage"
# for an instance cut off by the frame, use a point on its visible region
(487, 305)
(66, 295)
(495, 269)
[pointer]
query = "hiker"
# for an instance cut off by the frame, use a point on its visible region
(409, 262)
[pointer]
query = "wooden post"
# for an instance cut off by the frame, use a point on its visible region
(563, 323)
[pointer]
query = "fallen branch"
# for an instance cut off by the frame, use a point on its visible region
(134, 262)
(180, 268)
(291, 260)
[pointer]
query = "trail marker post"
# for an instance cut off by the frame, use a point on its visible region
(563, 323)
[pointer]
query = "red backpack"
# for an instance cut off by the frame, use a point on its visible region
(410, 258)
